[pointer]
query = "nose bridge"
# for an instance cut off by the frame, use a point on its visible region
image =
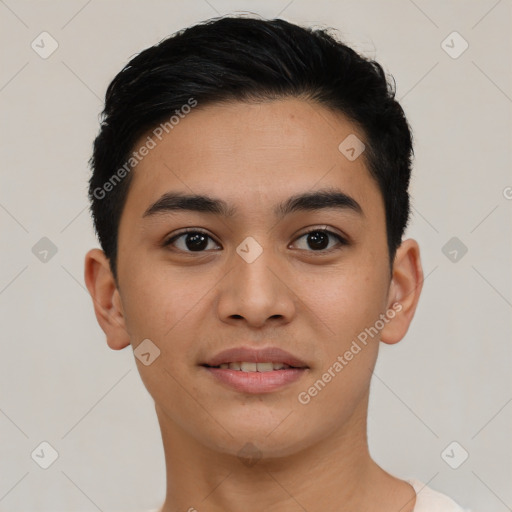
(256, 277)
(255, 288)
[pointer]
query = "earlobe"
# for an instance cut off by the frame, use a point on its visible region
(106, 299)
(404, 291)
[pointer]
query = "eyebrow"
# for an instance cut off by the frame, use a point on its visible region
(309, 201)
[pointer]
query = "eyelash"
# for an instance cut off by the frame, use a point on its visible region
(342, 241)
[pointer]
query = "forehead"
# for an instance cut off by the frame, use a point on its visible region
(252, 155)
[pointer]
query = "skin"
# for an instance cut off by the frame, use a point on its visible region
(194, 304)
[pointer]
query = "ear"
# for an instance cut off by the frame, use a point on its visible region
(404, 291)
(107, 301)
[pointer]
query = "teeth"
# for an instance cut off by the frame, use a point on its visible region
(249, 367)
(254, 367)
(264, 367)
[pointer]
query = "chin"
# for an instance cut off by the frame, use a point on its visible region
(255, 441)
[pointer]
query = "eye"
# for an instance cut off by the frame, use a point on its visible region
(318, 239)
(194, 240)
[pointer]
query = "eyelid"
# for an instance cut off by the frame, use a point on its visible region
(322, 227)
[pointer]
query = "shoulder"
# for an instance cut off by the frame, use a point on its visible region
(428, 500)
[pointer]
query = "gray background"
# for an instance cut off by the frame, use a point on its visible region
(448, 380)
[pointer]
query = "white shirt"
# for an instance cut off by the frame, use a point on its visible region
(427, 500)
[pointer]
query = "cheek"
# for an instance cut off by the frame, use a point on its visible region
(346, 301)
(346, 304)
(157, 300)
(159, 305)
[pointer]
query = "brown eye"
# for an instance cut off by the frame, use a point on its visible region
(190, 241)
(318, 240)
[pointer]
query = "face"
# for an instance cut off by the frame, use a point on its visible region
(307, 279)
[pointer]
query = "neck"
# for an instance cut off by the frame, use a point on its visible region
(335, 470)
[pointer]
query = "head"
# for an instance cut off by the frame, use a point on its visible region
(247, 60)
(284, 129)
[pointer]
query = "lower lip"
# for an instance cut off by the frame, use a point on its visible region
(256, 382)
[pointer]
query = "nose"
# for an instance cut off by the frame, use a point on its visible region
(257, 292)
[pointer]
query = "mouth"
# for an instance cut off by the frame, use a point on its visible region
(248, 366)
(249, 359)
(254, 381)
(255, 371)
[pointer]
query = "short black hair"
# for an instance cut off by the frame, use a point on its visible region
(247, 59)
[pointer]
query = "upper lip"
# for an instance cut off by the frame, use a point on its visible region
(253, 355)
